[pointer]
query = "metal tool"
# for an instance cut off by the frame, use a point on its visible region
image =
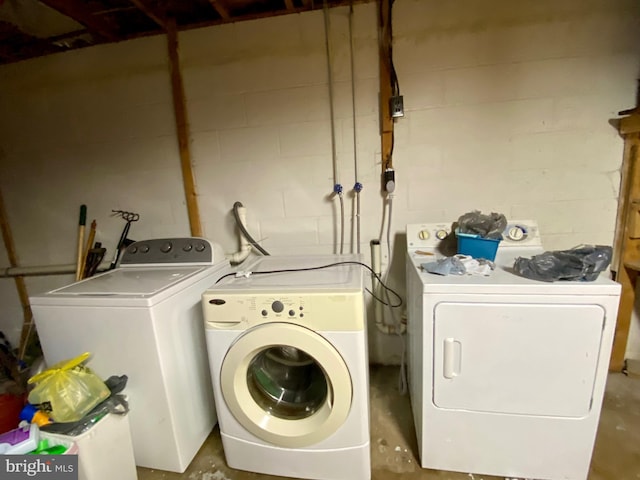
(130, 217)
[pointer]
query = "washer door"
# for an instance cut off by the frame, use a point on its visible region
(286, 384)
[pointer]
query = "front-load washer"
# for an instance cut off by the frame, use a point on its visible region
(144, 319)
(288, 354)
(506, 374)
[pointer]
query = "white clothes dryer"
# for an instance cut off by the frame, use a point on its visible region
(288, 355)
(144, 319)
(506, 374)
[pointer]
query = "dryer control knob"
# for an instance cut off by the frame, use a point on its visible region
(166, 247)
(277, 306)
(442, 234)
(517, 233)
(200, 247)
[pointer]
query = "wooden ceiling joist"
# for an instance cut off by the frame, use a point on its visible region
(17, 45)
(106, 21)
(152, 12)
(77, 10)
(220, 8)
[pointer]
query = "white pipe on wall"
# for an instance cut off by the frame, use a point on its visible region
(376, 288)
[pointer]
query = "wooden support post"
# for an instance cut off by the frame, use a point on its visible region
(627, 242)
(7, 237)
(386, 122)
(182, 127)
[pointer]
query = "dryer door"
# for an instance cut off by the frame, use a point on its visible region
(526, 359)
(286, 384)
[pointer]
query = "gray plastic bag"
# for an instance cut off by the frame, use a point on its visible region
(487, 226)
(582, 263)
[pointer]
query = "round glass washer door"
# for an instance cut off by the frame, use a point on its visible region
(286, 384)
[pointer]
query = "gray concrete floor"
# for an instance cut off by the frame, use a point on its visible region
(394, 447)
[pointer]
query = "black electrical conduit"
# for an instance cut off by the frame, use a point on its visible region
(246, 234)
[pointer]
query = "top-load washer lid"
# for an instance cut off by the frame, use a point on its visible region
(298, 272)
(429, 242)
(143, 286)
(132, 282)
(151, 270)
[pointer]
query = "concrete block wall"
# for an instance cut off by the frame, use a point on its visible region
(507, 108)
(261, 128)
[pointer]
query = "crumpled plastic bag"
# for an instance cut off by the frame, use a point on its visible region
(581, 263)
(445, 266)
(459, 265)
(68, 390)
(487, 226)
(116, 404)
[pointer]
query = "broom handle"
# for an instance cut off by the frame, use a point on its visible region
(81, 226)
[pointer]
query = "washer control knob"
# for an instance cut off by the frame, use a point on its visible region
(133, 249)
(277, 306)
(442, 234)
(424, 234)
(166, 247)
(144, 248)
(516, 233)
(200, 247)
(188, 247)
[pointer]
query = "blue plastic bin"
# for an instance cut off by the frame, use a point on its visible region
(477, 247)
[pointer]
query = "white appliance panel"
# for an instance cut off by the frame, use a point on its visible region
(130, 282)
(144, 322)
(526, 359)
(344, 454)
(278, 272)
(476, 420)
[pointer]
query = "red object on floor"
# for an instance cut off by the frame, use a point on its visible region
(10, 408)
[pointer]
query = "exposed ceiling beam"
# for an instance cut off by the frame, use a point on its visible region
(17, 45)
(77, 10)
(221, 9)
(152, 12)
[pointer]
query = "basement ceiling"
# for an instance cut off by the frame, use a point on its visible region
(32, 28)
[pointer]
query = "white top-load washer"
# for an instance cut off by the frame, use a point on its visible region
(288, 356)
(506, 374)
(144, 319)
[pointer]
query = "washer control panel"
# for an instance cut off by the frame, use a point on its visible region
(518, 233)
(336, 310)
(427, 235)
(288, 306)
(168, 251)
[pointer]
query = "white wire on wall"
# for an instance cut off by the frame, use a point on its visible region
(357, 187)
(337, 187)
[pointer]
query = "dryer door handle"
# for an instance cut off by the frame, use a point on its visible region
(452, 360)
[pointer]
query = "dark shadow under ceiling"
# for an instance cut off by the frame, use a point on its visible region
(32, 28)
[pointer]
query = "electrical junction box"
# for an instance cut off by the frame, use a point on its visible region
(396, 106)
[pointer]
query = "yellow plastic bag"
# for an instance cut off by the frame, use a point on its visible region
(69, 388)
